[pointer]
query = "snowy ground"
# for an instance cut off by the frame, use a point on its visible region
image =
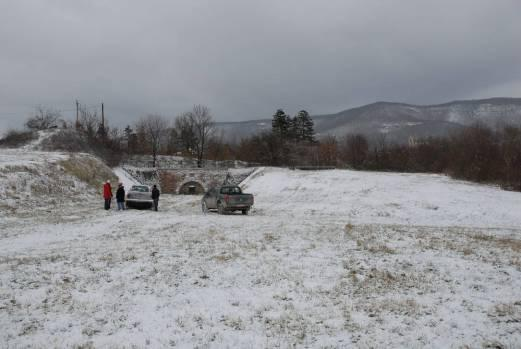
(33, 181)
(125, 178)
(326, 259)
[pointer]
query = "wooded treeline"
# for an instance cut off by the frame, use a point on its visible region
(476, 153)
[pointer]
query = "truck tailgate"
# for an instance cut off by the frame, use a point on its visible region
(240, 200)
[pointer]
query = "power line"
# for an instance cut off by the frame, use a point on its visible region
(12, 113)
(26, 109)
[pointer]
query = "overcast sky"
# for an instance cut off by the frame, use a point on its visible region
(244, 59)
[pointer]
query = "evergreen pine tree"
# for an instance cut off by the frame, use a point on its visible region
(292, 129)
(128, 131)
(308, 127)
(299, 126)
(280, 124)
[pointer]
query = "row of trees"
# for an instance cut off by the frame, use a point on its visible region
(299, 129)
(90, 133)
(477, 153)
(290, 142)
(193, 134)
(190, 134)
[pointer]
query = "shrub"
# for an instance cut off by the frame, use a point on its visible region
(16, 139)
(43, 119)
(66, 140)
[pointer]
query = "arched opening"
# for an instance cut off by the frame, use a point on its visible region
(191, 188)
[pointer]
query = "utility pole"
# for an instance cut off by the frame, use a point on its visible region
(102, 116)
(77, 114)
(102, 132)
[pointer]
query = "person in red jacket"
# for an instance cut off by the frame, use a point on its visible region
(107, 194)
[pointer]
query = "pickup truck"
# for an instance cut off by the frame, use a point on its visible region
(228, 198)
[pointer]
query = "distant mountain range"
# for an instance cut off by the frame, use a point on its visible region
(398, 121)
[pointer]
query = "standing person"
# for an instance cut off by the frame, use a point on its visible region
(155, 196)
(107, 194)
(120, 197)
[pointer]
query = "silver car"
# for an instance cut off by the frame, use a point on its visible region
(139, 196)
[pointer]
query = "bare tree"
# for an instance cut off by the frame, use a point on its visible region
(115, 136)
(203, 127)
(185, 132)
(88, 122)
(355, 149)
(154, 127)
(141, 145)
(328, 151)
(172, 138)
(43, 119)
(218, 149)
(194, 129)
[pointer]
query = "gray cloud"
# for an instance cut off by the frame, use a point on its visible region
(244, 58)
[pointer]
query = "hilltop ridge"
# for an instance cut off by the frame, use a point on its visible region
(399, 121)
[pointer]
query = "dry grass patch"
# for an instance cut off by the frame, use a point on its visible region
(377, 281)
(224, 257)
(289, 329)
(471, 244)
(500, 242)
(348, 228)
(371, 238)
(506, 312)
(482, 237)
(516, 262)
(368, 240)
(89, 170)
(375, 247)
(19, 168)
(270, 237)
(407, 307)
(216, 235)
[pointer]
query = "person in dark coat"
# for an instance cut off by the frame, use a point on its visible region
(107, 194)
(120, 196)
(155, 196)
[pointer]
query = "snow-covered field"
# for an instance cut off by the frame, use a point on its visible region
(326, 259)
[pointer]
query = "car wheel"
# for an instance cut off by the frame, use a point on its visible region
(245, 212)
(204, 207)
(220, 208)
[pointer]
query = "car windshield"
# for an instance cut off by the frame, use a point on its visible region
(140, 188)
(231, 190)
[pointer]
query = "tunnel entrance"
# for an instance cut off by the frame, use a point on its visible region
(191, 188)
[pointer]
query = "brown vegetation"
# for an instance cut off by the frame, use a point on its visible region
(477, 153)
(88, 170)
(14, 138)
